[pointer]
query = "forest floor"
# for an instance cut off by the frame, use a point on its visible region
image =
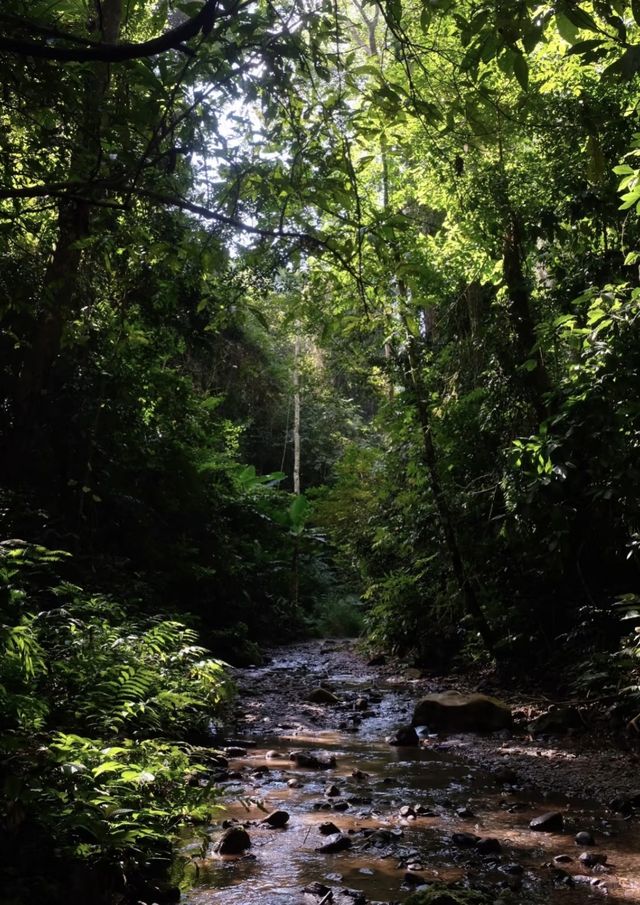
(407, 816)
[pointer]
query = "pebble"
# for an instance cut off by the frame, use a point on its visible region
(584, 837)
(590, 859)
(551, 822)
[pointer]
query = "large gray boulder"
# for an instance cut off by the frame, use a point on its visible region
(456, 712)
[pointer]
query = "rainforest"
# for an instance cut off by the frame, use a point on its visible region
(319, 452)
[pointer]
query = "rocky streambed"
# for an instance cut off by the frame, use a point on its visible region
(320, 808)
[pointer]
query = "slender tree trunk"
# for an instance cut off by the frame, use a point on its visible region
(467, 590)
(74, 221)
(535, 379)
(297, 482)
(296, 418)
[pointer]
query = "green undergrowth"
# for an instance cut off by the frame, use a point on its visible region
(97, 702)
(339, 617)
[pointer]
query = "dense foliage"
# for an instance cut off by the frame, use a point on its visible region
(302, 302)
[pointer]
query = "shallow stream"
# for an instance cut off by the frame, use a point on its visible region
(373, 781)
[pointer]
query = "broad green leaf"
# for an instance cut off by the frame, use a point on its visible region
(567, 29)
(579, 17)
(521, 71)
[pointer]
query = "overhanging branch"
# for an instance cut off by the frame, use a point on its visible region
(174, 39)
(82, 191)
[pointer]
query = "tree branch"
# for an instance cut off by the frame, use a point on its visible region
(174, 39)
(184, 205)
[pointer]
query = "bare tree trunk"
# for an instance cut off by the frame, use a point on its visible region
(74, 221)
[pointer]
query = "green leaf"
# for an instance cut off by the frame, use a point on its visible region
(566, 28)
(579, 17)
(585, 46)
(109, 766)
(521, 71)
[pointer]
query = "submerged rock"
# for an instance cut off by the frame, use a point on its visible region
(303, 759)
(462, 713)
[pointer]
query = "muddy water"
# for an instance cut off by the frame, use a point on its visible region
(375, 781)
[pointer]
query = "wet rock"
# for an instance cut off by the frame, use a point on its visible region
(272, 755)
(234, 841)
(465, 840)
(423, 811)
(590, 859)
(556, 721)
(622, 804)
(311, 762)
(551, 822)
(341, 806)
(462, 713)
(276, 819)
(584, 837)
(294, 784)
(465, 813)
(488, 845)
(322, 696)
(562, 859)
(404, 737)
(411, 879)
(443, 894)
(586, 880)
(328, 829)
(408, 812)
(337, 843)
(361, 704)
(514, 869)
(377, 660)
(332, 791)
(360, 775)
(233, 751)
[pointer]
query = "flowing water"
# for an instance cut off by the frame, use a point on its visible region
(374, 781)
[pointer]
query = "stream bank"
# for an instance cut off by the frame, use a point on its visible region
(411, 816)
